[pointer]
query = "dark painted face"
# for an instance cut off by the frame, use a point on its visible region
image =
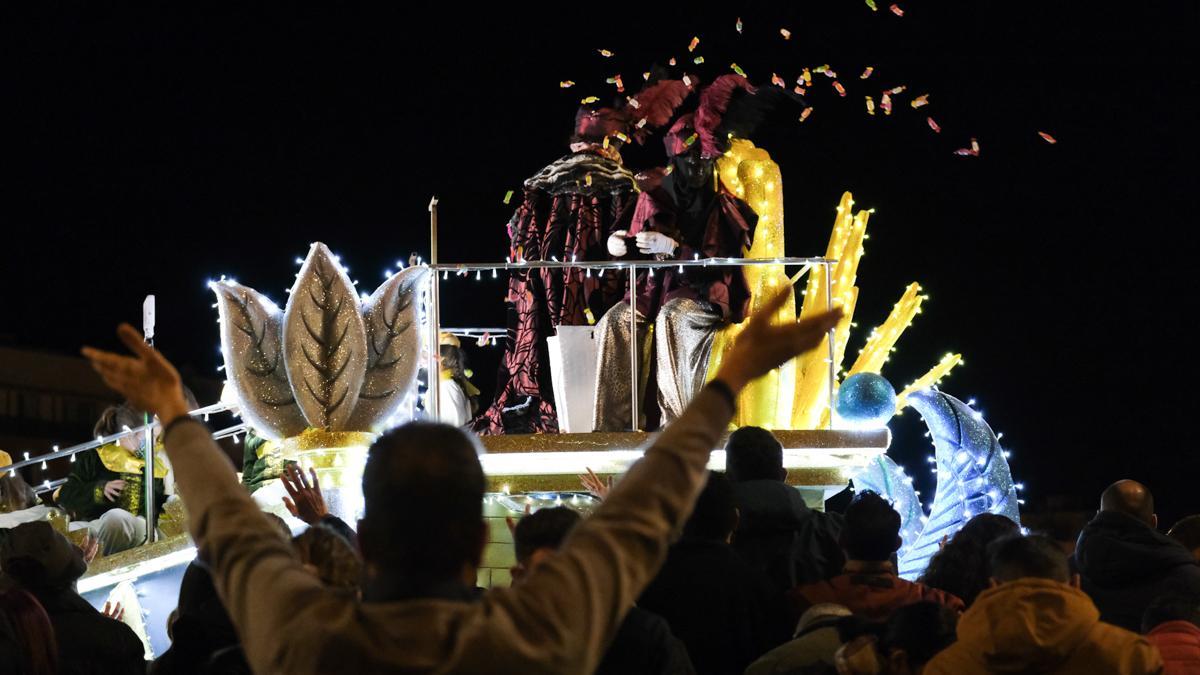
(694, 170)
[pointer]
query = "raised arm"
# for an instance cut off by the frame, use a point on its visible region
(570, 608)
(260, 582)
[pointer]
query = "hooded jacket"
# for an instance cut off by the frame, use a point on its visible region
(1125, 565)
(780, 536)
(1179, 644)
(1041, 626)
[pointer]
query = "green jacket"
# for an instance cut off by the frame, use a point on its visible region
(83, 493)
(258, 471)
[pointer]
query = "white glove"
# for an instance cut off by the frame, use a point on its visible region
(656, 243)
(616, 244)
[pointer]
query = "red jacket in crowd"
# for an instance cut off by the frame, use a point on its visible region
(1179, 644)
(870, 590)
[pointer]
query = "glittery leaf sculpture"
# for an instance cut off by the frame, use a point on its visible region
(325, 362)
(973, 474)
(393, 347)
(252, 344)
(325, 341)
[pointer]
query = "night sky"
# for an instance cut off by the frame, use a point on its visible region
(150, 151)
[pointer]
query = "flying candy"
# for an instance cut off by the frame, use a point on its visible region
(590, 99)
(605, 53)
(885, 103)
(738, 25)
(671, 62)
(619, 83)
(633, 102)
(919, 101)
(799, 90)
(622, 137)
(933, 125)
(641, 123)
(897, 90)
(972, 151)
(698, 60)
(840, 89)
(806, 76)
(690, 139)
(1047, 137)
(896, 10)
(646, 75)
(870, 106)
(737, 69)
(692, 45)
(871, 4)
(804, 115)
(508, 196)
(867, 73)
(566, 84)
(787, 34)
(777, 80)
(484, 339)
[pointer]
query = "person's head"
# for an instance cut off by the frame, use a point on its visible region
(25, 624)
(715, 516)
(453, 360)
(872, 528)
(686, 156)
(1028, 556)
(915, 634)
(328, 557)
(1131, 498)
(37, 556)
(15, 493)
(1187, 532)
(1171, 607)
(423, 517)
(538, 536)
(753, 453)
(961, 567)
(117, 418)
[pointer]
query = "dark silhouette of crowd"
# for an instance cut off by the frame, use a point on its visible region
(677, 570)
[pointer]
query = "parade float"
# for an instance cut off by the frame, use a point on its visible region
(316, 381)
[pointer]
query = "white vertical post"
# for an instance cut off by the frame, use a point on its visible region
(434, 316)
(148, 442)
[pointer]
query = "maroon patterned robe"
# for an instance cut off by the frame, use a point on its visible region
(568, 211)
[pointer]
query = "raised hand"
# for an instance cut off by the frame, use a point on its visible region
(114, 611)
(304, 499)
(765, 345)
(595, 485)
(113, 489)
(146, 379)
(89, 548)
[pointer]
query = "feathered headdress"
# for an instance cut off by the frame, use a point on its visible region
(637, 116)
(730, 107)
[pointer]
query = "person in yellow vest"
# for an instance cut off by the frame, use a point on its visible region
(105, 484)
(458, 399)
(18, 501)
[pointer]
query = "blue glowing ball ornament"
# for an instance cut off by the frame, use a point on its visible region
(866, 400)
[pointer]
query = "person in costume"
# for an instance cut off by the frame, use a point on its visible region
(458, 399)
(105, 489)
(568, 210)
(686, 214)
